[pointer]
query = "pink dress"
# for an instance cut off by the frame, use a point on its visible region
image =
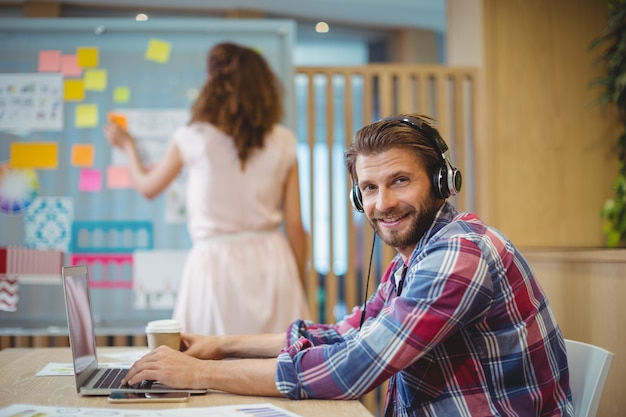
(240, 275)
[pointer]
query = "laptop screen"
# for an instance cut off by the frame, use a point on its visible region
(79, 319)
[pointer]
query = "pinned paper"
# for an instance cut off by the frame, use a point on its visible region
(40, 155)
(48, 223)
(118, 177)
(49, 61)
(74, 90)
(119, 119)
(121, 94)
(158, 51)
(87, 56)
(70, 67)
(95, 79)
(83, 155)
(90, 180)
(86, 115)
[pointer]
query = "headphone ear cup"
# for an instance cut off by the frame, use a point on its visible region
(440, 182)
(356, 198)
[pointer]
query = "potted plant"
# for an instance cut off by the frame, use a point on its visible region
(613, 85)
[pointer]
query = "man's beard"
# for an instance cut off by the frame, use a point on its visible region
(420, 222)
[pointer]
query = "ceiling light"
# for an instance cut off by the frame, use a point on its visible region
(141, 17)
(322, 27)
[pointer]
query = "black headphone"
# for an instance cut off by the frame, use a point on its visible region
(446, 178)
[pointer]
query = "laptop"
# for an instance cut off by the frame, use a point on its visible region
(92, 378)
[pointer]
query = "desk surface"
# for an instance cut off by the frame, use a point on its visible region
(18, 384)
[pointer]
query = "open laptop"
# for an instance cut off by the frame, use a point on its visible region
(91, 378)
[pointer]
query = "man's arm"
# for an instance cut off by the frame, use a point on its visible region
(178, 370)
(235, 346)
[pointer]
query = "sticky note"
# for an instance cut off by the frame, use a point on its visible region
(95, 79)
(121, 94)
(73, 90)
(118, 177)
(83, 155)
(70, 67)
(90, 180)
(119, 119)
(86, 115)
(87, 56)
(158, 51)
(40, 155)
(49, 61)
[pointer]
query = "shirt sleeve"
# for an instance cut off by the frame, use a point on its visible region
(447, 286)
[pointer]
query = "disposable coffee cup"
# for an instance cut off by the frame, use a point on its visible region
(163, 332)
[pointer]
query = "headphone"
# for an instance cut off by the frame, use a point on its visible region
(446, 177)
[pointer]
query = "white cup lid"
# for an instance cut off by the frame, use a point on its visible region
(164, 326)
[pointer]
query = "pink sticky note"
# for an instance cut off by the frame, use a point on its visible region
(49, 61)
(118, 177)
(90, 180)
(70, 67)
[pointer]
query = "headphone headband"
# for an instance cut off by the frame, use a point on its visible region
(446, 180)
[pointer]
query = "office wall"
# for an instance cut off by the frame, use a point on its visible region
(549, 162)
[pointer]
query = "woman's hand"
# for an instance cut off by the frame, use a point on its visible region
(117, 136)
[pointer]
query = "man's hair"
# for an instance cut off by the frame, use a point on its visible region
(383, 135)
(242, 97)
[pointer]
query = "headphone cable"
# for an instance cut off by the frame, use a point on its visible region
(367, 282)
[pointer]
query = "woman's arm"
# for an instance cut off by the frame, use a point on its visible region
(149, 182)
(293, 221)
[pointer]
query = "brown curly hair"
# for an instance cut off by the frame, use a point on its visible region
(242, 97)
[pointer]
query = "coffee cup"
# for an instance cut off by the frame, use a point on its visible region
(163, 332)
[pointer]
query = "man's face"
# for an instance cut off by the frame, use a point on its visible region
(397, 197)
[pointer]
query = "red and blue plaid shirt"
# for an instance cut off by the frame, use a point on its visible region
(471, 333)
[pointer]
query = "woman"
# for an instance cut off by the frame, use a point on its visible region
(242, 275)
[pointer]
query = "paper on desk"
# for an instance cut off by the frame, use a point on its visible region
(27, 410)
(65, 369)
(56, 369)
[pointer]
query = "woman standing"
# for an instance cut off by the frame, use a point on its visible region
(243, 274)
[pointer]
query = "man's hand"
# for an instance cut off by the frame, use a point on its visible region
(169, 367)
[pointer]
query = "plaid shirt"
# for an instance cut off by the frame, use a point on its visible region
(470, 333)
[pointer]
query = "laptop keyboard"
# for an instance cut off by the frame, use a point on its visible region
(111, 378)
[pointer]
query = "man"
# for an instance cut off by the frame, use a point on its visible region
(458, 325)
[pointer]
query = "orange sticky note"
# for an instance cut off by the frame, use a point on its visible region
(82, 155)
(73, 90)
(40, 155)
(118, 119)
(158, 51)
(87, 56)
(118, 177)
(86, 115)
(49, 61)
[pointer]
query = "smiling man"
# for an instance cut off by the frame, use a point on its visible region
(458, 325)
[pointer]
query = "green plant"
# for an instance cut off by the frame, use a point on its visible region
(613, 92)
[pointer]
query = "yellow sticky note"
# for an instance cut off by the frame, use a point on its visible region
(87, 56)
(74, 90)
(82, 155)
(158, 51)
(121, 94)
(86, 115)
(95, 79)
(40, 155)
